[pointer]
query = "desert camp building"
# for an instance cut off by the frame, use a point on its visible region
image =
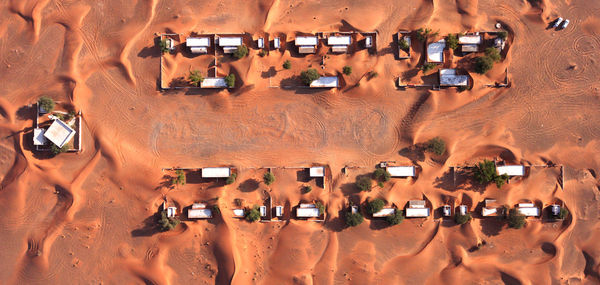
(388, 211)
(307, 211)
(491, 208)
(339, 43)
(199, 211)
(216, 172)
(528, 210)
(229, 44)
(449, 77)
(306, 44)
(59, 133)
(435, 51)
(198, 45)
(325, 82)
(417, 209)
(214, 82)
(469, 43)
(401, 171)
(511, 170)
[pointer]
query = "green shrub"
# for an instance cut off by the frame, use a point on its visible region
(462, 219)
(363, 183)
(309, 75)
(485, 172)
(179, 177)
(493, 53)
(380, 184)
(483, 64)
(321, 207)
(167, 223)
(347, 70)
(306, 189)
(231, 179)
(375, 206)
(563, 213)
(287, 64)
(195, 78)
(373, 74)
(502, 35)
(452, 41)
(395, 218)
(262, 53)
(253, 214)
(381, 174)
(47, 104)
(230, 80)
(269, 178)
(354, 219)
(403, 44)
(216, 209)
(436, 145)
(427, 67)
(55, 150)
(163, 46)
(238, 202)
(516, 220)
(240, 52)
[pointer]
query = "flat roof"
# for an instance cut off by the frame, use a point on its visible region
(448, 77)
(198, 49)
(306, 49)
(199, 213)
(213, 82)
(238, 212)
(307, 212)
(401, 171)
(339, 40)
(276, 42)
(306, 41)
(38, 136)
(416, 203)
(317, 171)
(197, 42)
(230, 41)
(215, 172)
(489, 211)
(469, 48)
(529, 211)
(325, 82)
(435, 51)
(469, 39)
(385, 212)
(511, 170)
(417, 212)
(339, 48)
(59, 133)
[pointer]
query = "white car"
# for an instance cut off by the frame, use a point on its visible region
(565, 24)
(557, 22)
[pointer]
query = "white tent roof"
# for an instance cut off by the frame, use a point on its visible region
(306, 41)
(511, 170)
(230, 41)
(435, 51)
(307, 212)
(213, 82)
(448, 77)
(384, 212)
(325, 82)
(529, 211)
(276, 43)
(238, 212)
(317, 171)
(215, 172)
(199, 213)
(469, 39)
(59, 133)
(38, 136)
(488, 211)
(417, 212)
(197, 42)
(401, 171)
(339, 40)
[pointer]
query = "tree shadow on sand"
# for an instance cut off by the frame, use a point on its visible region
(414, 153)
(149, 229)
(249, 185)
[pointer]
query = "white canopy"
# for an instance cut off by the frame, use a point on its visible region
(435, 51)
(307, 212)
(317, 171)
(230, 41)
(278, 211)
(488, 211)
(197, 42)
(216, 172)
(59, 133)
(448, 77)
(325, 82)
(38, 136)
(529, 211)
(339, 40)
(213, 82)
(469, 39)
(401, 171)
(306, 41)
(384, 212)
(199, 213)
(417, 212)
(511, 170)
(276, 42)
(238, 213)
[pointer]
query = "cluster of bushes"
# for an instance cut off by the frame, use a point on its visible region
(436, 145)
(164, 48)
(231, 179)
(269, 178)
(179, 178)
(230, 80)
(381, 175)
(347, 70)
(309, 75)
(427, 67)
(516, 220)
(167, 223)
(306, 189)
(485, 172)
(462, 219)
(423, 34)
(452, 41)
(47, 104)
(55, 150)
(287, 64)
(403, 44)
(253, 214)
(195, 78)
(363, 183)
(240, 52)
(484, 63)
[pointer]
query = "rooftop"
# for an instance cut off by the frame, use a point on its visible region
(401, 171)
(306, 41)
(59, 133)
(317, 171)
(339, 40)
(213, 82)
(216, 172)
(511, 170)
(448, 77)
(435, 51)
(325, 82)
(230, 41)
(197, 42)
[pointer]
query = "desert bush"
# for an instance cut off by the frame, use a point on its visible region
(240, 52)
(238, 202)
(306, 189)
(403, 44)
(485, 172)
(354, 219)
(287, 64)
(195, 78)
(502, 35)
(253, 214)
(163, 46)
(167, 223)
(427, 67)
(47, 104)
(309, 75)
(436, 145)
(347, 70)
(179, 177)
(380, 184)
(216, 209)
(493, 53)
(516, 220)
(231, 179)
(230, 80)
(452, 41)
(563, 213)
(363, 183)
(373, 74)
(55, 150)
(423, 34)
(462, 219)
(381, 174)
(321, 207)
(269, 178)
(375, 206)
(483, 64)
(262, 53)
(395, 218)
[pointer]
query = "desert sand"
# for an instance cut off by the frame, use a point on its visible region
(88, 217)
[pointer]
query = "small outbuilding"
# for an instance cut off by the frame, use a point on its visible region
(59, 133)
(528, 210)
(306, 44)
(214, 82)
(469, 43)
(317, 171)
(401, 171)
(491, 208)
(339, 44)
(260, 43)
(369, 41)
(511, 170)
(435, 51)
(38, 136)
(278, 211)
(384, 212)
(325, 82)
(199, 211)
(230, 44)
(198, 45)
(276, 43)
(216, 172)
(449, 77)
(417, 209)
(307, 211)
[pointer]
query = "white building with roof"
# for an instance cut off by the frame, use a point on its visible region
(449, 77)
(306, 44)
(469, 43)
(528, 210)
(384, 212)
(417, 209)
(435, 51)
(38, 137)
(199, 211)
(307, 211)
(401, 171)
(59, 133)
(230, 44)
(317, 171)
(325, 82)
(339, 44)
(198, 45)
(216, 172)
(214, 82)
(511, 170)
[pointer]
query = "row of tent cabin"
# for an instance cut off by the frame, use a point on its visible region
(491, 208)
(200, 45)
(415, 209)
(469, 43)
